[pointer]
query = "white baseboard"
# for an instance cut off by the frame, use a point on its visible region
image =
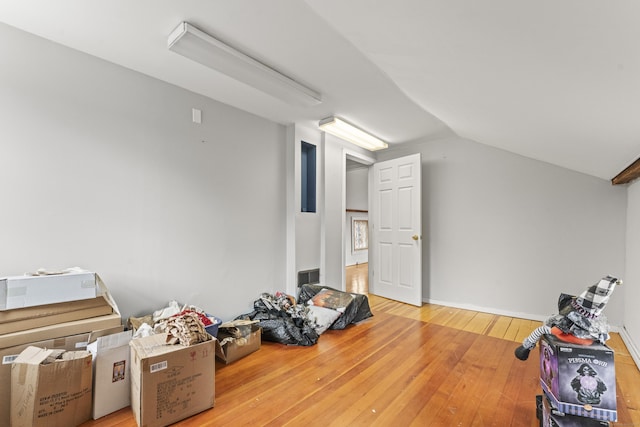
(631, 346)
(490, 310)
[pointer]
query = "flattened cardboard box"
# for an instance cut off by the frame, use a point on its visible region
(111, 373)
(21, 319)
(28, 291)
(231, 351)
(170, 382)
(64, 329)
(60, 330)
(50, 388)
(37, 322)
(50, 310)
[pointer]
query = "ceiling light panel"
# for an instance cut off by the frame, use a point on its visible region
(342, 129)
(203, 48)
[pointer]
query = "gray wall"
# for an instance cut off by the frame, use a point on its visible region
(333, 212)
(103, 169)
(357, 197)
(508, 234)
(307, 224)
(632, 277)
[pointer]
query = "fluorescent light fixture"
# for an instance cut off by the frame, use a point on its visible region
(338, 127)
(199, 46)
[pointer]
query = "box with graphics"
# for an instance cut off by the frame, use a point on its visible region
(578, 379)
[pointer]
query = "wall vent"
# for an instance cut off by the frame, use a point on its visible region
(308, 277)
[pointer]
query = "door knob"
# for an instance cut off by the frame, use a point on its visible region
(415, 237)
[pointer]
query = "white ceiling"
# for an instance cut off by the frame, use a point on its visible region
(557, 81)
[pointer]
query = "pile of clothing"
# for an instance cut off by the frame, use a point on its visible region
(183, 324)
(318, 308)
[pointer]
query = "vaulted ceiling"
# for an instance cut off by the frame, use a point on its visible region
(557, 81)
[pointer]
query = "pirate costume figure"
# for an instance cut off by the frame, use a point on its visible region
(578, 320)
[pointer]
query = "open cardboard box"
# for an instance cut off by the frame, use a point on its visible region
(69, 335)
(50, 388)
(228, 350)
(9, 354)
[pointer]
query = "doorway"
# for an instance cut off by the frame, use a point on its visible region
(356, 227)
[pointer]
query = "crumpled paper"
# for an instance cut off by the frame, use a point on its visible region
(186, 329)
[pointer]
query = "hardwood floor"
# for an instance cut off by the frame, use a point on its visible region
(405, 366)
(357, 278)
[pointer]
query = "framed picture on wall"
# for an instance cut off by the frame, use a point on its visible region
(360, 234)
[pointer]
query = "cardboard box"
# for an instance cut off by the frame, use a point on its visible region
(579, 380)
(50, 310)
(50, 388)
(553, 418)
(230, 350)
(21, 319)
(111, 374)
(170, 382)
(8, 355)
(60, 330)
(44, 320)
(28, 291)
(212, 329)
(65, 329)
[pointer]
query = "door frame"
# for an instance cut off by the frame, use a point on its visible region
(365, 160)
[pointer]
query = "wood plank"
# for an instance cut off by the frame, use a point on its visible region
(480, 323)
(500, 327)
(463, 401)
(503, 414)
(419, 386)
(461, 319)
(517, 329)
(525, 329)
(444, 379)
(629, 174)
(444, 316)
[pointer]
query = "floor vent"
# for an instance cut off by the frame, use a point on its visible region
(308, 277)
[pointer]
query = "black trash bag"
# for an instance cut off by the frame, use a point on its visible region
(279, 325)
(356, 311)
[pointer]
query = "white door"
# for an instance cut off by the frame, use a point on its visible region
(396, 230)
